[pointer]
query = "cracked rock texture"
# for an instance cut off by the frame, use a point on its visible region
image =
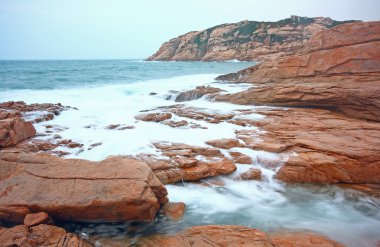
(214, 235)
(115, 189)
(337, 69)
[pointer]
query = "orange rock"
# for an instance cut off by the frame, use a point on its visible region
(251, 174)
(38, 218)
(224, 143)
(174, 210)
(225, 236)
(14, 130)
(14, 214)
(241, 158)
(41, 235)
(302, 239)
(115, 189)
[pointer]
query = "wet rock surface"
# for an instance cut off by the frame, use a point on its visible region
(187, 163)
(197, 93)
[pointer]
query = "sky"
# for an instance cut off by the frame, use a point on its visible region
(121, 29)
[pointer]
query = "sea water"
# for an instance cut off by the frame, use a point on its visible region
(115, 91)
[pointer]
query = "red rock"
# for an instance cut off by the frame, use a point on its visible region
(115, 189)
(251, 174)
(174, 210)
(241, 158)
(322, 146)
(221, 166)
(14, 214)
(38, 218)
(302, 239)
(154, 117)
(224, 143)
(14, 130)
(224, 236)
(41, 235)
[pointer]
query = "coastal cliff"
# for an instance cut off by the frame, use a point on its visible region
(244, 41)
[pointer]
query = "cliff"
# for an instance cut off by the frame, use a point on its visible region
(245, 41)
(336, 69)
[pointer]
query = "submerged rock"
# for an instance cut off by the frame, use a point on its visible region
(115, 189)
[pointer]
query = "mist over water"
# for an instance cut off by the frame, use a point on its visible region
(115, 91)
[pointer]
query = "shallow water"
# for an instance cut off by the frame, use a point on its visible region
(114, 92)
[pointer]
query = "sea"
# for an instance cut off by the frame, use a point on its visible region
(106, 92)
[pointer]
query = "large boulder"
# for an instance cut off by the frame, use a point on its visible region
(115, 189)
(338, 69)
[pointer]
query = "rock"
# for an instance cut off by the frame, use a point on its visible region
(14, 130)
(44, 112)
(154, 117)
(15, 214)
(115, 189)
(241, 158)
(224, 143)
(41, 235)
(319, 146)
(251, 174)
(176, 124)
(174, 210)
(302, 239)
(246, 40)
(187, 163)
(214, 235)
(38, 218)
(197, 93)
(337, 69)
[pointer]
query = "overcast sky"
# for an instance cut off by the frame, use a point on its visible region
(88, 29)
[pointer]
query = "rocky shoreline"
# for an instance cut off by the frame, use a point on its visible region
(320, 122)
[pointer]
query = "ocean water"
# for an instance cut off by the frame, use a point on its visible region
(115, 91)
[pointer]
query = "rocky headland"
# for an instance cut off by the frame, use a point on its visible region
(244, 41)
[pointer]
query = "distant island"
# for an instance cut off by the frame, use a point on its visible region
(245, 40)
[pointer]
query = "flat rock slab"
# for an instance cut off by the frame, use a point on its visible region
(215, 235)
(115, 189)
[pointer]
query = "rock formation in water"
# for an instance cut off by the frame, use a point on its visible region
(245, 41)
(339, 70)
